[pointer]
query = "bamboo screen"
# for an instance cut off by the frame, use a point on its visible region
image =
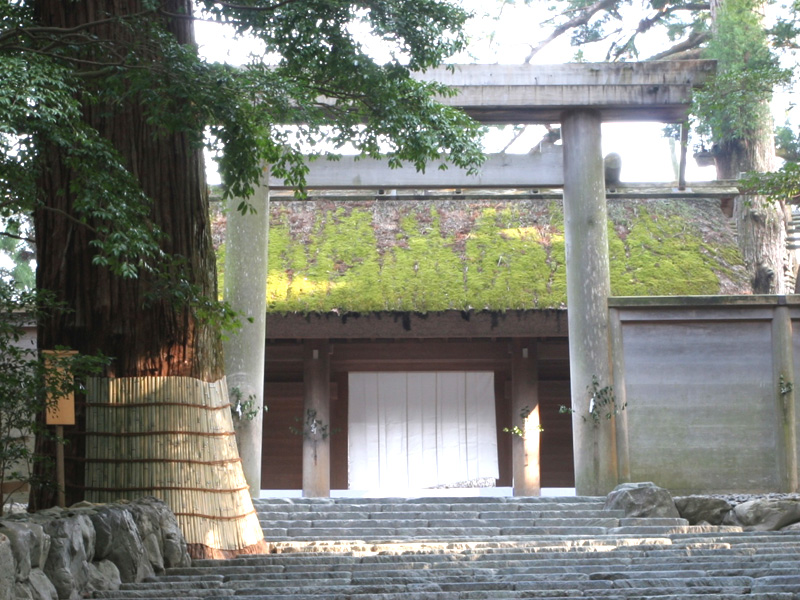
(172, 438)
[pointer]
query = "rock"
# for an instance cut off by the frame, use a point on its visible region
(148, 523)
(22, 591)
(69, 554)
(173, 546)
(642, 500)
(40, 587)
(7, 568)
(702, 509)
(118, 541)
(29, 543)
(71, 550)
(765, 514)
(103, 575)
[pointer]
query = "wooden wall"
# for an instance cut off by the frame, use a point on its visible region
(282, 449)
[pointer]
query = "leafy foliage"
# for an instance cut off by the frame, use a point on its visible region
(27, 385)
(787, 144)
(602, 403)
(314, 73)
(783, 184)
(734, 106)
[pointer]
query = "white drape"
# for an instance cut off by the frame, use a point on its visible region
(420, 430)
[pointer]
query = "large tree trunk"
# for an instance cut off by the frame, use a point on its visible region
(125, 318)
(137, 321)
(761, 224)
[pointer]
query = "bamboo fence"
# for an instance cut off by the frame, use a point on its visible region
(172, 438)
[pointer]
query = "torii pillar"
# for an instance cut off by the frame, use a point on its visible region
(588, 289)
(246, 291)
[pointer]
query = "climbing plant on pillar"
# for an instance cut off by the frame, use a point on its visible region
(603, 404)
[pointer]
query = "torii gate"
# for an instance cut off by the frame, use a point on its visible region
(579, 96)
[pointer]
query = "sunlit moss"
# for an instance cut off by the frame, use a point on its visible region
(503, 258)
(662, 256)
(221, 270)
(504, 272)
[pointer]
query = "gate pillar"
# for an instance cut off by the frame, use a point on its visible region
(588, 289)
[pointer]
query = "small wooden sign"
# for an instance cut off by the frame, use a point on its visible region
(61, 409)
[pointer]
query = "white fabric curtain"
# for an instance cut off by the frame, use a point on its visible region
(420, 430)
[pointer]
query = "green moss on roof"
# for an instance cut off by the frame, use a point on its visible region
(432, 256)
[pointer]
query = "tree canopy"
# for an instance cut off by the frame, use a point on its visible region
(314, 72)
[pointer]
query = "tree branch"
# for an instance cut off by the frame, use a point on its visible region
(13, 236)
(689, 45)
(580, 19)
(647, 23)
(60, 31)
(269, 8)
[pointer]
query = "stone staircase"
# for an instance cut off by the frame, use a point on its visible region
(484, 549)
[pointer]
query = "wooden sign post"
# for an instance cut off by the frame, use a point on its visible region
(60, 410)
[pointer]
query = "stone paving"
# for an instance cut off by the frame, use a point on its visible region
(486, 548)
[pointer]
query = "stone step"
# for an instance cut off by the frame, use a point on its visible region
(144, 594)
(511, 515)
(501, 564)
(399, 501)
(463, 522)
(378, 534)
(485, 549)
(428, 507)
(514, 594)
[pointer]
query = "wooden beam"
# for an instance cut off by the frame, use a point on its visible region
(624, 191)
(501, 94)
(483, 355)
(316, 420)
(542, 167)
(672, 72)
(446, 324)
(525, 415)
(588, 289)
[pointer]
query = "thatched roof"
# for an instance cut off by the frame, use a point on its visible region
(427, 256)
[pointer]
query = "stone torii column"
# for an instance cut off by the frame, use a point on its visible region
(588, 289)
(246, 246)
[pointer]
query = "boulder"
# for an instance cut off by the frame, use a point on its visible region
(702, 509)
(71, 551)
(22, 591)
(765, 514)
(7, 569)
(103, 575)
(642, 500)
(118, 540)
(29, 543)
(161, 534)
(69, 554)
(148, 523)
(37, 587)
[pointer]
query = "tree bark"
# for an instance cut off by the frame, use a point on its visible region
(761, 224)
(131, 320)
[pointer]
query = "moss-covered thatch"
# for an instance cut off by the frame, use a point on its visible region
(427, 256)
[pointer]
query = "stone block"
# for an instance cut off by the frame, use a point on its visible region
(7, 568)
(642, 500)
